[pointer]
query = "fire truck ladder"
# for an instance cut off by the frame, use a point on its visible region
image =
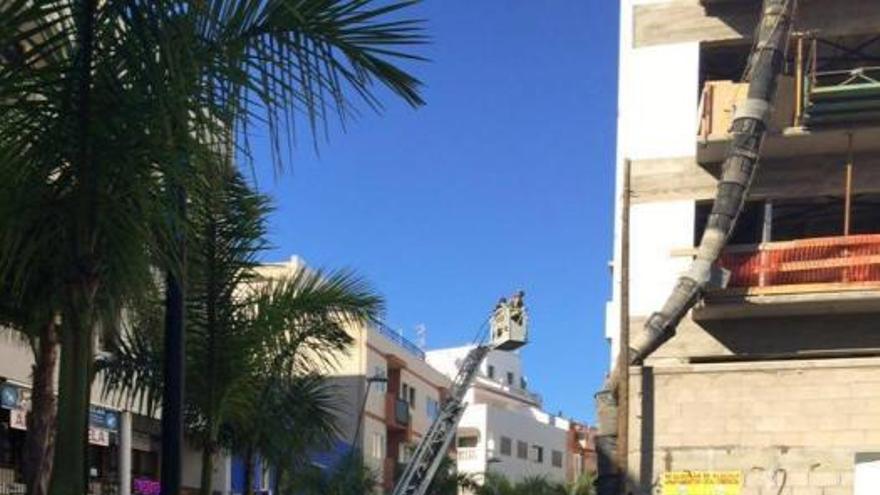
(509, 323)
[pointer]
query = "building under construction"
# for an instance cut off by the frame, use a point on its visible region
(771, 382)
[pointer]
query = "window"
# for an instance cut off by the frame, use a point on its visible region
(468, 442)
(510, 378)
(556, 458)
(380, 372)
(408, 394)
(538, 454)
(491, 371)
(749, 226)
(404, 452)
(377, 446)
(867, 473)
(432, 408)
(802, 218)
(522, 383)
(522, 450)
(506, 446)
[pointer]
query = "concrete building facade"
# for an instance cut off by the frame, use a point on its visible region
(385, 418)
(398, 412)
(774, 375)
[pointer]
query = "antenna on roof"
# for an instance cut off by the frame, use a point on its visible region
(422, 336)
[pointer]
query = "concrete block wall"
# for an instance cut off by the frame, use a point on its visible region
(791, 427)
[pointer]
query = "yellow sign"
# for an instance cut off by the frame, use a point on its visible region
(702, 483)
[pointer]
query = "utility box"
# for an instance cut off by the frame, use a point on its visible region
(510, 323)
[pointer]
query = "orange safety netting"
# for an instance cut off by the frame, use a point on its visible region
(850, 259)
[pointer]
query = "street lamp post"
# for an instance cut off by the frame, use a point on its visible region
(360, 418)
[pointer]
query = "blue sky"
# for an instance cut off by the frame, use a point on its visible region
(503, 181)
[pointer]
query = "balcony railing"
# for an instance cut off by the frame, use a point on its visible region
(466, 454)
(401, 341)
(397, 410)
(807, 265)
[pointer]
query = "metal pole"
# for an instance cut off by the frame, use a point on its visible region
(624, 354)
(355, 443)
(799, 81)
(125, 453)
(847, 214)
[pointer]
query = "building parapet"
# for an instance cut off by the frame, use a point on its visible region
(401, 341)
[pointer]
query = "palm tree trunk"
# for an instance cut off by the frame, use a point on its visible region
(207, 468)
(249, 471)
(749, 126)
(74, 388)
(74, 384)
(40, 441)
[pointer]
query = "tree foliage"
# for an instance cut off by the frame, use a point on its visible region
(106, 104)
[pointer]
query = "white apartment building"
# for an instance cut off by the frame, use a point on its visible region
(503, 429)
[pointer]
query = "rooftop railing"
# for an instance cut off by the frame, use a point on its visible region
(401, 341)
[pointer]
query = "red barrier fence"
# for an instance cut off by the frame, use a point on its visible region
(852, 259)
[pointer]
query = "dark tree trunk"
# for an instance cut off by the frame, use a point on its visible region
(74, 390)
(249, 471)
(207, 468)
(40, 441)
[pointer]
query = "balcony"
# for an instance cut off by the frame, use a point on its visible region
(396, 412)
(466, 454)
(808, 276)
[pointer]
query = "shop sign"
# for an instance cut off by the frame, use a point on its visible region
(100, 417)
(18, 419)
(99, 436)
(14, 397)
(145, 486)
(702, 483)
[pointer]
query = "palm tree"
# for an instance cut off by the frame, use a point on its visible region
(351, 476)
(498, 484)
(105, 106)
(33, 316)
(295, 416)
(447, 480)
(584, 485)
(252, 341)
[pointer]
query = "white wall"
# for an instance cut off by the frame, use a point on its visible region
(657, 118)
(657, 229)
(448, 361)
(867, 476)
(493, 423)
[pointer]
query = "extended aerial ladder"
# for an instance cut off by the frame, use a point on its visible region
(509, 331)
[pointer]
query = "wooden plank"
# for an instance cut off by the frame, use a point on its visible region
(799, 266)
(795, 289)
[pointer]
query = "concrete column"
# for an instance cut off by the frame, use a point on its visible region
(125, 453)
